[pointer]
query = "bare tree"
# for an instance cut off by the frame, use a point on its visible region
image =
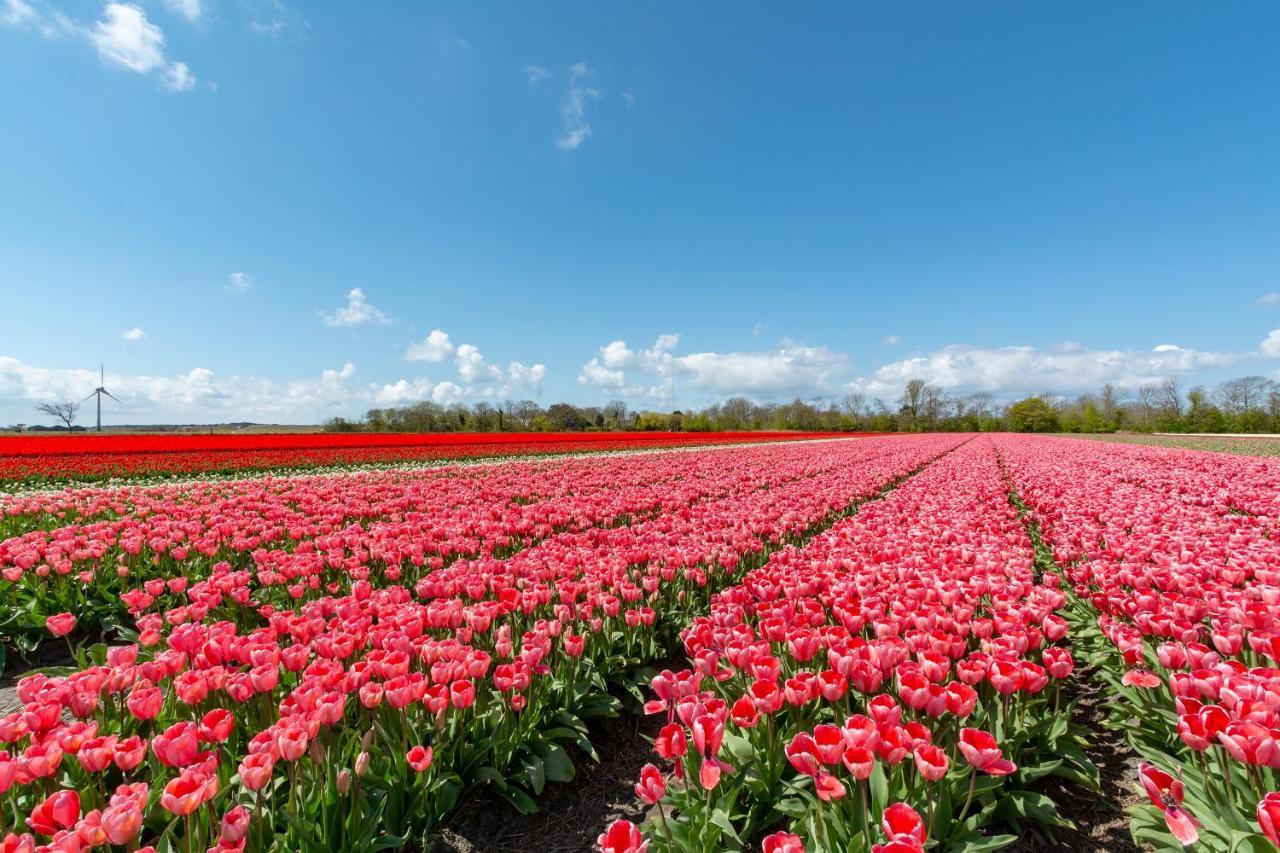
(1109, 403)
(1245, 394)
(980, 403)
(913, 396)
(854, 404)
(1171, 395)
(64, 411)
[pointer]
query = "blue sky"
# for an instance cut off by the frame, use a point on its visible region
(260, 210)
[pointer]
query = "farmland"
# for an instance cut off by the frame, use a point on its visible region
(45, 460)
(862, 644)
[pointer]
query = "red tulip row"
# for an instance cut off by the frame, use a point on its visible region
(1173, 558)
(897, 675)
(330, 662)
(92, 457)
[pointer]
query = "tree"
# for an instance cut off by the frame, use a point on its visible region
(1171, 396)
(1032, 415)
(65, 411)
(1109, 405)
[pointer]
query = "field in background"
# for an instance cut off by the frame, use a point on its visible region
(92, 457)
(1269, 446)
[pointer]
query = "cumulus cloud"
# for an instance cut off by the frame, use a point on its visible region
(1270, 346)
(575, 129)
(791, 369)
(474, 369)
(134, 334)
(124, 38)
(357, 312)
(1021, 369)
(239, 282)
(436, 346)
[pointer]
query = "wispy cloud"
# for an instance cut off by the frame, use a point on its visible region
(757, 330)
(629, 98)
(123, 37)
(536, 73)
(192, 10)
(357, 312)
(1268, 300)
(892, 340)
(575, 129)
(134, 334)
(239, 282)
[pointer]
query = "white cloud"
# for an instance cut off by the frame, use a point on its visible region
(239, 282)
(757, 330)
(629, 98)
(197, 396)
(573, 107)
(18, 14)
(126, 39)
(1268, 300)
(434, 347)
(892, 340)
(616, 355)
(1270, 346)
(1066, 368)
(134, 334)
(357, 312)
(177, 77)
(192, 10)
(790, 370)
(536, 73)
(597, 375)
(472, 367)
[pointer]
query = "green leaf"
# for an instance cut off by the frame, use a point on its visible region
(1030, 774)
(518, 799)
(533, 771)
(977, 845)
(720, 819)
(556, 763)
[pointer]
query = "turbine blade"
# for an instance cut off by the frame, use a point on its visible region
(112, 396)
(90, 397)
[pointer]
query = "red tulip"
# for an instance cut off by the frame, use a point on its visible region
(1165, 793)
(622, 837)
(1269, 817)
(419, 758)
(60, 810)
(652, 787)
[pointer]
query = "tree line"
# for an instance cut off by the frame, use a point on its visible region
(1247, 404)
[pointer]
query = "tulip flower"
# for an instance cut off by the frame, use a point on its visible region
(652, 787)
(1165, 793)
(61, 624)
(1269, 817)
(622, 837)
(419, 758)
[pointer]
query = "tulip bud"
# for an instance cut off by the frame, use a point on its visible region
(367, 739)
(362, 764)
(316, 751)
(343, 783)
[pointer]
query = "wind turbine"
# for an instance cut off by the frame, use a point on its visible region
(99, 391)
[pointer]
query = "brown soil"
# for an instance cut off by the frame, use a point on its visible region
(573, 813)
(1099, 819)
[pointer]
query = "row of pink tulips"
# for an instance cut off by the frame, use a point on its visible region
(892, 684)
(337, 689)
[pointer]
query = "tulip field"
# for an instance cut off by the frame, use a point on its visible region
(851, 645)
(31, 460)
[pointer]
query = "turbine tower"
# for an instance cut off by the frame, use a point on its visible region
(99, 391)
